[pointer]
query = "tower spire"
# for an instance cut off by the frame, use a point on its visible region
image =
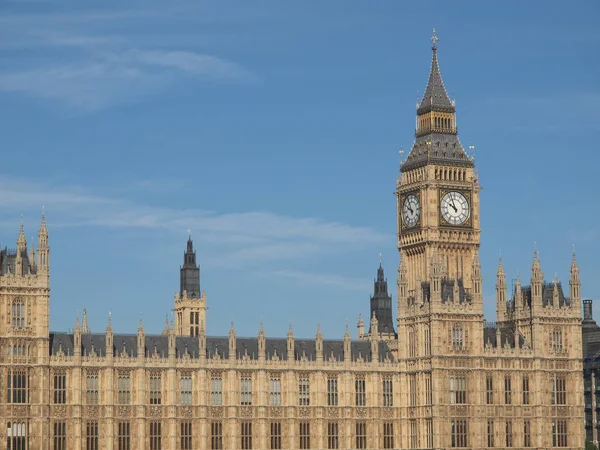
(435, 96)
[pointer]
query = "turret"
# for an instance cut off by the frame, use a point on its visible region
(141, 341)
(500, 292)
(172, 343)
(575, 287)
(77, 340)
(232, 343)
(109, 340)
(347, 345)
(381, 302)
(537, 281)
(374, 339)
(360, 326)
(21, 260)
(43, 256)
(290, 345)
(319, 345)
(189, 272)
(84, 323)
(262, 343)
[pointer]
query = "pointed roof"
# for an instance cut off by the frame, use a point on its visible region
(435, 146)
(436, 96)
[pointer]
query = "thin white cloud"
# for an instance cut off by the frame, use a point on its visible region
(95, 69)
(111, 78)
(233, 239)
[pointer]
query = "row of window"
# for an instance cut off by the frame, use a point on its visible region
(216, 390)
(155, 430)
(17, 435)
(559, 434)
(17, 390)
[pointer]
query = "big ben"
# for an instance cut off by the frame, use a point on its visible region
(438, 192)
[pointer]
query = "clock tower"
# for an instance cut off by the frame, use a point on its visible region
(437, 193)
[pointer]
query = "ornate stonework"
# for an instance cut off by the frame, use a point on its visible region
(441, 371)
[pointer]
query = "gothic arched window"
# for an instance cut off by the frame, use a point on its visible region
(457, 337)
(412, 345)
(557, 340)
(18, 314)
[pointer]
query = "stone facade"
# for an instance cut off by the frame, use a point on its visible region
(444, 378)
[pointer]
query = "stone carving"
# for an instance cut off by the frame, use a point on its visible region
(187, 411)
(155, 411)
(123, 411)
(304, 412)
(276, 412)
(361, 412)
(59, 411)
(92, 412)
(388, 413)
(333, 412)
(216, 411)
(246, 411)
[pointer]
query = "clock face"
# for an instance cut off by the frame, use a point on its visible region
(411, 210)
(455, 208)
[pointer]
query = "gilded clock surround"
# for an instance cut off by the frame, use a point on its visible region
(403, 198)
(468, 195)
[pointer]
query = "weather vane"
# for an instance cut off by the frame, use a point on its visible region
(434, 39)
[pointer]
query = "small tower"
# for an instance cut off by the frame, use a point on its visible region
(262, 343)
(77, 340)
(319, 345)
(232, 343)
(21, 259)
(500, 291)
(360, 327)
(347, 345)
(374, 339)
(575, 285)
(109, 337)
(190, 302)
(43, 254)
(84, 323)
(141, 341)
(537, 282)
(290, 345)
(381, 306)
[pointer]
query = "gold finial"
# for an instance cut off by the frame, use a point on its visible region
(434, 39)
(189, 233)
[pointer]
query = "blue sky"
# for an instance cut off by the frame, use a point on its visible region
(272, 130)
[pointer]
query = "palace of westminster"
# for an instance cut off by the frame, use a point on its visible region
(439, 377)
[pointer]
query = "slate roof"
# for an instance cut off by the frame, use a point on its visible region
(8, 261)
(437, 148)
(547, 294)
(506, 334)
(127, 343)
(435, 96)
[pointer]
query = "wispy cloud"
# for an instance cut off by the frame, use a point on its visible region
(236, 239)
(116, 77)
(95, 68)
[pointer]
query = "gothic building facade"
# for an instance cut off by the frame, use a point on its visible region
(439, 377)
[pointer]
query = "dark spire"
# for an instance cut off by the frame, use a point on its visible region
(381, 303)
(436, 134)
(190, 272)
(435, 97)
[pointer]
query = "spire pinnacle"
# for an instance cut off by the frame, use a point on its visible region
(434, 40)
